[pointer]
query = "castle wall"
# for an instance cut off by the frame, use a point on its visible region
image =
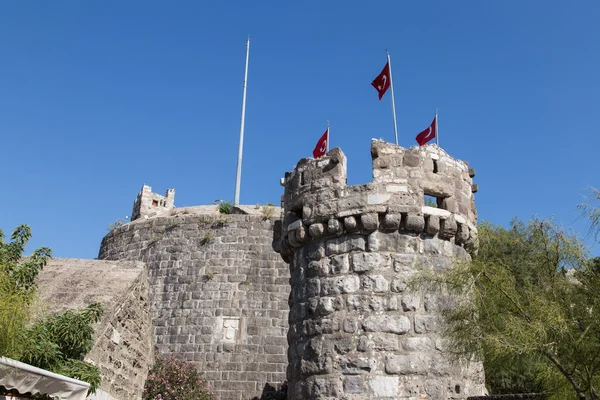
(357, 329)
(218, 294)
(123, 337)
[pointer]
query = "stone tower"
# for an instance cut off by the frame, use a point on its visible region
(148, 204)
(356, 328)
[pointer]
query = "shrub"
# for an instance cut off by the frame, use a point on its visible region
(225, 207)
(174, 379)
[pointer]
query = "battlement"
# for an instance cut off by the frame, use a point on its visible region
(148, 204)
(319, 203)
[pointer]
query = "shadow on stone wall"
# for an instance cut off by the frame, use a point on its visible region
(521, 396)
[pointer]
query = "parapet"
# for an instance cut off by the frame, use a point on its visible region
(319, 203)
(149, 204)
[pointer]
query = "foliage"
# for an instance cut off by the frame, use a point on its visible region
(117, 223)
(590, 209)
(17, 288)
(529, 305)
(174, 379)
(59, 342)
(268, 211)
(225, 207)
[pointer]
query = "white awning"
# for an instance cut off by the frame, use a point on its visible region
(28, 379)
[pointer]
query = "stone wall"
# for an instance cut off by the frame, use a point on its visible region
(218, 294)
(123, 347)
(357, 329)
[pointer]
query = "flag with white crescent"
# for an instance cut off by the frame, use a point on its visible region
(321, 147)
(427, 134)
(383, 81)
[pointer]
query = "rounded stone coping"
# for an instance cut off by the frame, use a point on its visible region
(430, 221)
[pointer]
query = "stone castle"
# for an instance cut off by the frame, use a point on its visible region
(316, 293)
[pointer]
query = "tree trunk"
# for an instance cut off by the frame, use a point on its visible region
(580, 393)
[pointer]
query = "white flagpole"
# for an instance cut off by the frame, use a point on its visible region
(327, 136)
(437, 131)
(393, 103)
(238, 177)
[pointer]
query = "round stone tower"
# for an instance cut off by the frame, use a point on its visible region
(357, 329)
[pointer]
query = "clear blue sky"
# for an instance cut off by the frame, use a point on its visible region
(98, 98)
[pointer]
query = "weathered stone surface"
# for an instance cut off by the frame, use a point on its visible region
(334, 226)
(218, 296)
(124, 344)
(433, 224)
(370, 222)
(316, 230)
(409, 364)
(392, 221)
(398, 324)
(350, 224)
(384, 386)
(363, 262)
(353, 384)
(379, 337)
(415, 223)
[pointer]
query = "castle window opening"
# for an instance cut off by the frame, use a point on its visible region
(431, 201)
(435, 167)
(154, 203)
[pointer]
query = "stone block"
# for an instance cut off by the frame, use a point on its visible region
(316, 230)
(375, 283)
(391, 222)
(370, 222)
(350, 224)
(415, 223)
(448, 228)
(462, 233)
(334, 226)
(340, 285)
(340, 264)
(411, 302)
(384, 386)
(364, 262)
(384, 342)
(412, 160)
(426, 323)
(392, 242)
(420, 344)
(353, 384)
(398, 324)
(433, 224)
(409, 364)
(345, 244)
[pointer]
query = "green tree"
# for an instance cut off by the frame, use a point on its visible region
(528, 305)
(57, 343)
(17, 288)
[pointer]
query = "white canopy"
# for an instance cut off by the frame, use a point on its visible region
(28, 379)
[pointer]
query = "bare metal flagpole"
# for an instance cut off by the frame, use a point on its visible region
(238, 177)
(327, 136)
(437, 131)
(393, 103)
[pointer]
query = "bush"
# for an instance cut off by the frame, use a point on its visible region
(174, 379)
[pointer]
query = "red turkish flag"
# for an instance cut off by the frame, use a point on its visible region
(321, 147)
(382, 82)
(428, 133)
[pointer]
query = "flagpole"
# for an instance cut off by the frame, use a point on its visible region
(327, 136)
(236, 199)
(437, 131)
(393, 103)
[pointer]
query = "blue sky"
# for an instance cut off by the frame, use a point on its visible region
(98, 98)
